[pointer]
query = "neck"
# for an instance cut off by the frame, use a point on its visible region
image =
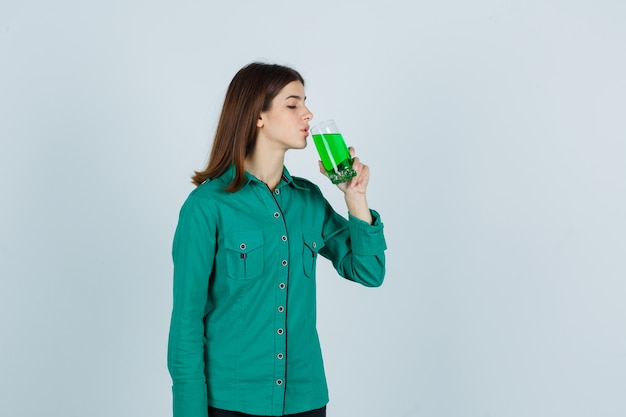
(268, 167)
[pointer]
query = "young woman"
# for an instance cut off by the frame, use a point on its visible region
(243, 338)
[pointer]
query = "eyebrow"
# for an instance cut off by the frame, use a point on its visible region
(296, 97)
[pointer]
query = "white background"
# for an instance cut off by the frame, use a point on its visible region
(495, 132)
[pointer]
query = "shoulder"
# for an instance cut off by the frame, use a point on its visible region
(308, 192)
(205, 195)
(211, 188)
(306, 184)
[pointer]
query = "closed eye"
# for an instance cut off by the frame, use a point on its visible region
(291, 107)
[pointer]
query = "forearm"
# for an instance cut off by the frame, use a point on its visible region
(358, 207)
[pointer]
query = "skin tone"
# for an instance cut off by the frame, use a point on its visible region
(286, 126)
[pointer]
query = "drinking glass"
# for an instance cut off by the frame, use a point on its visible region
(333, 151)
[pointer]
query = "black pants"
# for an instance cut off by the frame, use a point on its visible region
(216, 412)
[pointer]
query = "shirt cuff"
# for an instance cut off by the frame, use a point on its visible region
(190, 400)
(367, 239)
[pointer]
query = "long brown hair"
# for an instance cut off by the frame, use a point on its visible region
(250, 92)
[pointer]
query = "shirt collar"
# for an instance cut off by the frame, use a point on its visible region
(287, 179)
(229, 175)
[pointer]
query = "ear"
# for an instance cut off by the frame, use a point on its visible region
(259, 121)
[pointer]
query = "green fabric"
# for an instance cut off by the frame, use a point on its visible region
(244, 294)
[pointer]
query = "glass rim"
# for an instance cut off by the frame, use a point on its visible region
(324, 125)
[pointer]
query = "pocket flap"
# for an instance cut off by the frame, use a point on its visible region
(244, 242)
(313, 241)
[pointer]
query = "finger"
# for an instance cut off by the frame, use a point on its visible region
(352, 151)
(357, 165)
(322, 170)
(362, 176)
(357, 178)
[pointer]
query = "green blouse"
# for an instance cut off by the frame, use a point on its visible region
(243, 330)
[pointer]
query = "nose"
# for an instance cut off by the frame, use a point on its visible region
(308, 115)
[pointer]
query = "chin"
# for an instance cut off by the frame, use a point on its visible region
(299, 145)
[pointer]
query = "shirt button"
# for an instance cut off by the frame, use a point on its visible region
(281, 309)
(279, 382)
(276, 215)
(281, 285)
(277, 191)
(284, 238)
(280, 331)
(280, 356)
(284, 262)
(314, 245)
(242, 246)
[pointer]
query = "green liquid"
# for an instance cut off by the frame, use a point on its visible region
(335, 156)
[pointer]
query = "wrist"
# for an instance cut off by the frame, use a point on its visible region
(355, 197)
(358, 207)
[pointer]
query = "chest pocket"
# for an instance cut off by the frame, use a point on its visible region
(312, 244)
(244, 254)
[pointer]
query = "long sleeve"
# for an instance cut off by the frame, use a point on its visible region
(193, 255)
(356, 248)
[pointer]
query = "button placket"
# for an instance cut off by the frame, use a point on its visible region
(281, 279)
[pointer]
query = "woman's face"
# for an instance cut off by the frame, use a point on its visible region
(286, 124)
